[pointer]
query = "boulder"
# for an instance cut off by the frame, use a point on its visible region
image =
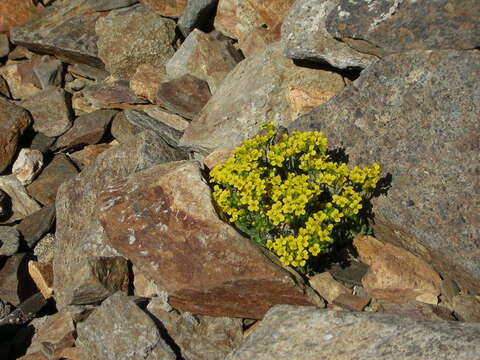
(197, 14)
(289, 332)
(171, 8)
(17, 12)
(172, 120)
(146, 39)
(252, 93)
(163, 220)
(414, 113)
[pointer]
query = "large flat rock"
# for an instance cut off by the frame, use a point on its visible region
(417, 115)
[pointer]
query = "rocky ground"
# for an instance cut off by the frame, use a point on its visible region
(113, 111)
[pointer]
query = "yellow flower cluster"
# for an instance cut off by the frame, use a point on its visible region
(288, 194)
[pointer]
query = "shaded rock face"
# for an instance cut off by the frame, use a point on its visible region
(146, 39)
(65, 29)
(163, 220)
(80, 238)
(196, 14)
(414, 114)
(289, 332)
(16, 284)
(255, 91)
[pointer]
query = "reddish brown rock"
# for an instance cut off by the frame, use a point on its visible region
(416, 310)
(351, 302)
(35, 225)
(42, 276)
(16, 12)
(162, 219)
(172, 120)
(16, 284)
(88, 154)
(184, 96)
(171, 8)
(4, 90)
(328, 287)
(146, 81)
(13, 122)
(303, 100)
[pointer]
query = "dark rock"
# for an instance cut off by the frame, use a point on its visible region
(44, 187)
(86, 130)
(351, 302)
(351, 274)
(58, 29)
(4, 89)
(34, 226)
(42, 142)
(15, 282)
(105, 5)
(289, 332)
(13, 122)
(16, 12)
(185, 96)
(20, 53)
(197, 14)
(25, 311)
(5, 204)
(50, 111)
(49, 73)
(9, 240)
(414, 113)
(4, 45)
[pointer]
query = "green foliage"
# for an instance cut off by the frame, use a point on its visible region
(288, 195)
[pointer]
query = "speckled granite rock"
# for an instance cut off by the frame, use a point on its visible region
(417, 114)
(289, 332)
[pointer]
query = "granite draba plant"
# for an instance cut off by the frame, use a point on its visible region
(289, 195)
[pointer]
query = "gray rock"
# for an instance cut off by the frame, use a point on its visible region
(146, 39)
(105, 5)
(88, 72)
(49, 73)
(196, 14)
(65, 29)
(45, 248)
(304, 36)
(34, 226)
(117, 330)
(289, 332)
(417, 114)
(9, 240)
(42, 142)
(22, 204)
(4, 45)
(81, 237)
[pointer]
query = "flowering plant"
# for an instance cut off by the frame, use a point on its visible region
(288, 194)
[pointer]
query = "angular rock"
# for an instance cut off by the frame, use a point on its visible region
(44, 188)
(146, 81)
(303, 100)
(146, 39)
(118, 329)
(4, 90)
(16, 284)
(42, 276)
(105, 5)
(252, 93)
(4, 45)
(58, 29)
(17, 12)
(80, 237)
(49, 73)
(13, 122)
(144, 287)
(50, 111)
(416, 310)
(174, 235)
(45, 249)
(28, 164)
(327, 286)
(172, 8)
(88, 72)
(467, 307)
(290, 332)
(22, 204)
(172, 120)
(9, 240)
(305, 37)
(390, 26)
(129, 123)
(20, 53)
(204, 57)
(185, 96)
(87, 129)
(5, 204)
(22, 82)
(34, 226)
(417, 121)
(197, 13)
(449, 289)
(351, 302)
(42, 143)
(88, 154)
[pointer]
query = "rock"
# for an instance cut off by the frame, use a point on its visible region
(88, 72)
(15, 283)
(45, 249)
(49, 73)
(44, 188)
(105, 5)
(303, 100)
(9, 240)
(416, 310)
(42, 276)
(88, 154)
(146, 81)
(50, 111)
(17, 12)
(5, 205)
(144, 287)
(42, 143)
(327, 286)
(351, 302)
(19, 79)
(305, 37)
(22, 204)
(172, 8)
(58, 29)
(196, 15)
(350, 274)
(449, 289)
(218, 156)
(185, 96)
(4, 90)
(13, 122)
(467, 307)
(129, 123)
(424, 128)
(146, 39)
(392, 27)
(87, 129)
(35, 225)
(289, 332)
(204, 57)
(20, 53)
(28, 164)
(240, 19)
(118, 329)
(252, 93)
(172, 120)
(4, 45)
(393, 268)
(23, 314)
(82, 234)
(158, 236)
